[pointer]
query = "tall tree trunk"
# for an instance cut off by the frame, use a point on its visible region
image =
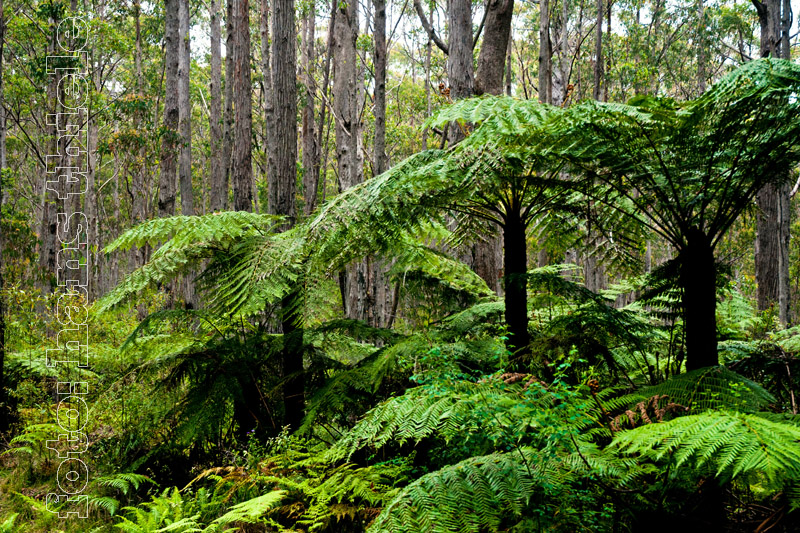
(598, 53)
(271, 137)
(185, 129)
(310, 149)
(321, 122)
(242, 165)
(698, 282)
(167, 186)
(545, 54)
(348, 132)
(702, 48)
(428, 108)
(228, 136)
(52, 192)
(219, 186)
(282, 196)
(185, 111)
(545, 87)
(492, 58)
(380, 164)
(773, 223)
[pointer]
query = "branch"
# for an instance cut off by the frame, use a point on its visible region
(428, 28)
(795, 188)
(480, 28)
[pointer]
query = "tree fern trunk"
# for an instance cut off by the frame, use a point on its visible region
(515, 262)
(698, 281)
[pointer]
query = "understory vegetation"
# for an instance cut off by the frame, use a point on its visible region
(663, 401)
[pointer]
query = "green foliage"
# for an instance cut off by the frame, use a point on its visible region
(731, 443)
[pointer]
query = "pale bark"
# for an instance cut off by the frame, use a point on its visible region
(219, 185)
(270, 139)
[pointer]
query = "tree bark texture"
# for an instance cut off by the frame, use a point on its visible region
(219, 185)
(169, 141)
(241, 166)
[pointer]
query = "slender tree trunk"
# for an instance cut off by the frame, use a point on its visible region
(380, 88)
(348, 132)
(228, 136)
(598, 53)
(167, 186)
(282, 195)
(321, 122)
(773, 223)
(545, 87)
(698, 282)
(702, 47)
(271, 137)
(219, 186)
(310, 148)
(185, 111)
(185, 130)
(545, 54)
(242, 165)
(515, 263)
(52, 204)
(428, 50)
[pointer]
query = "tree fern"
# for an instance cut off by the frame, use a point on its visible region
(731, 443)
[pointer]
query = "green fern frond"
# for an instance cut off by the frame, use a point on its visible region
(732, 443)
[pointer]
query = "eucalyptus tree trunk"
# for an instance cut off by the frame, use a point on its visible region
(492, 58)
(311, 152)
(52, 203)
(594, 274)
(353, 282)
(773, 222)
(282, 196)
(545, 86)
(219, 185)
(227, 131)
(270, 138)
(185, 111)
(242, 162)
(380, 163)
(185, 129)
(598, 53)
(702, 48)
(545, 54)
(166, 184)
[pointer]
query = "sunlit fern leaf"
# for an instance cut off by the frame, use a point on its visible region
(107, 503)
(8, 524)
(124, 482)
(251, 510)
(731, 443)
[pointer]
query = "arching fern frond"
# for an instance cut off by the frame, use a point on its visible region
(731, 443)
